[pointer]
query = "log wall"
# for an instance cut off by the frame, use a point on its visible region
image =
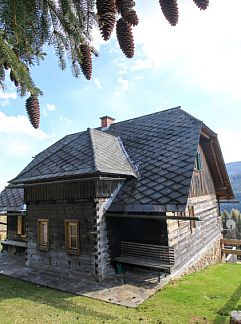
(188, 241)
(56, 258)
(103, 264)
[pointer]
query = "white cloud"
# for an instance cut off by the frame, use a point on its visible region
(203, 50)
(19, 142)
(98, 41)
(8, 95)
(50, 107)
(47, 108)
(19, 125)
(97, 83)
(230, 142)
(5, 97)
(123, 84)
(66, 120)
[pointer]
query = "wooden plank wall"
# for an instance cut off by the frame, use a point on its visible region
(202, 183)
(56, 257)
(202, 197)
(70, 190)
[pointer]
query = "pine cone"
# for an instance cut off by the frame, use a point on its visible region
(125, 37)
(32, 107)
(131, 17)
(170, 10)
(86, 65)
(124, 5)
(11, 75)
(202, 4)
(106, 12)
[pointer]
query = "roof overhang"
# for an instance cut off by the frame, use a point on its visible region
(210, 144)
(153, 216)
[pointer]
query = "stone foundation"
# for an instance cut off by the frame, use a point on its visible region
(212, 255)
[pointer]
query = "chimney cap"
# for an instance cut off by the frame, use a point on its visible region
(107, 117)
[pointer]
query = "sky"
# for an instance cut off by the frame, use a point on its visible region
(195, 65)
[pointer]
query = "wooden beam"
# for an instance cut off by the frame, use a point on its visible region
(230, 242)
(204, 135)
(229, 251)
(216, 161)
(184, 218)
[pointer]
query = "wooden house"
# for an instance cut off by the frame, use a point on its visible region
(143, 191)
(13, 208)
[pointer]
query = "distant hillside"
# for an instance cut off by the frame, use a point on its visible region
(234, 171)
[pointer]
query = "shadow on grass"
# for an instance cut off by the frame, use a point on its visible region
(16, 289)
(230, 305)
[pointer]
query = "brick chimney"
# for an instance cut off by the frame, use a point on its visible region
(106, 121)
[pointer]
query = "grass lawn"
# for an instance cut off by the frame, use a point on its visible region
(204, 297)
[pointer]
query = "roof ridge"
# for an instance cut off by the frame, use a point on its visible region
(147, 115)
(189, 115)
(93, 146)
(122, 147)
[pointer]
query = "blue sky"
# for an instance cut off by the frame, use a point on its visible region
(195, 65)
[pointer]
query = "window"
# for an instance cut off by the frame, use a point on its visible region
(192, 222)
(21, 225)
(198, 162)
(43, 234)
(72, 241)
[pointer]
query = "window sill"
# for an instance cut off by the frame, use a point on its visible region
(43, 248)
(73, 252)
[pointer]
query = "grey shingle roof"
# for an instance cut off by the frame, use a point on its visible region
(11, 199)
(163, 145)
(79, 154)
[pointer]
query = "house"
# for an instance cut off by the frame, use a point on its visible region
(13, 208)
(154, 180)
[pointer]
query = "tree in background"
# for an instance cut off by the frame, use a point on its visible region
(27, 26)
(235, 214)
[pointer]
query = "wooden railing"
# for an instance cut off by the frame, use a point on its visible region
(232, 242)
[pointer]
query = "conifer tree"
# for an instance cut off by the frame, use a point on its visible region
(26, 26)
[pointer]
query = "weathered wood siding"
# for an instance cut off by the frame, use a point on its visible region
(79, 200)
(69, 190)
(186, 242)
(202, 182)
(56, 257)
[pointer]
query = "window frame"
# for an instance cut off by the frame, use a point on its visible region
(42, 245)
(198, 161)
(69, 249)
(21, 230)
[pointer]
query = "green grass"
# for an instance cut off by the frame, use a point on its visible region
(204, 297)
